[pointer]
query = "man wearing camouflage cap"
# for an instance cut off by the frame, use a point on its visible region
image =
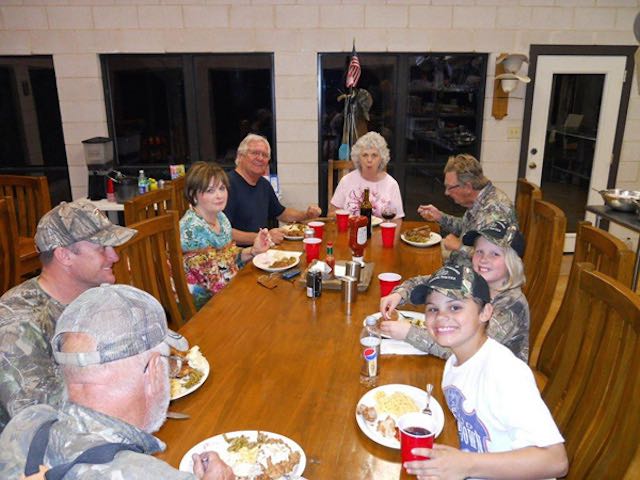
(113, 347)
(75, 241)
(465, 183)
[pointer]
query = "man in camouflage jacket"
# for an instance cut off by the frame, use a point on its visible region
(75, 241)
(465, 183)
(113, 345)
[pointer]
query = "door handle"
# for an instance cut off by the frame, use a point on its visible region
(533, 165)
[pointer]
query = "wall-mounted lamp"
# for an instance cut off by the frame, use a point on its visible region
(506, 80)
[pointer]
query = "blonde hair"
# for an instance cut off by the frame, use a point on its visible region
(467, 169)
(515, 267)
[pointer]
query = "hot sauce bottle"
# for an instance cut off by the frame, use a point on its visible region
(330, 259)
(358, 237)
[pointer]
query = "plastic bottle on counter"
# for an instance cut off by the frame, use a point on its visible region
(111, 191)
(330, 259)
(358, 237)
(366, 210)
(370, 352)
(143, 183)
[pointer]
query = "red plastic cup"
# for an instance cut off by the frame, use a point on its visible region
(318, 229)
(342, 220)
(416, 431)
(312, 248)
(388, 281)
(388, 230)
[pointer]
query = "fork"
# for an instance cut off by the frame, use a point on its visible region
(426, 409)
(403, 315)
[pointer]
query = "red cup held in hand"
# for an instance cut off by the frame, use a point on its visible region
(388, 231)
(416, 431)
(318, 229)
(312, 248)
(388, 281)
(342, 220)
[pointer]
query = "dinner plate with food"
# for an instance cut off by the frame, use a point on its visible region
(253, 454)
(414, 318)
(380, 408)
(293, 231)
(421, 237)
(375, 221)
(276, 260)
(194, 372)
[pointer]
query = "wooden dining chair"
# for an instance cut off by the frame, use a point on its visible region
(148, 205)
(526, 193)
(594, 396)
(152, 261)
(31, 200)
(608, 255)
(180, 203)
(9, 260)
(336, 170)
(542, 258)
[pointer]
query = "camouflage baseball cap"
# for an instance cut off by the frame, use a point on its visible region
(500, 233)
(123, 320)
(72, 222)
(454, 281)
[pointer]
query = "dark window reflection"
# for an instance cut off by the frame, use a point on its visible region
(167, 109)
(428, 107)
(31, 137)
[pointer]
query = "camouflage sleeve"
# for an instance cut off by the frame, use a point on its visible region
(509, 325)
(28, 374)
(131, 466)
(406, 287)
(420, 338)
(451, 224)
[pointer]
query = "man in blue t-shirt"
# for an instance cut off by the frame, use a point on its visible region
(252, 201)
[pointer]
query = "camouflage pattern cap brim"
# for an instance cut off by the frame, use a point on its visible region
(73, 222)
(454, 281)
(499, 233)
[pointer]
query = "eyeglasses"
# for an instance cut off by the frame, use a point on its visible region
(258, 153)
(448, 188)
(175, 364)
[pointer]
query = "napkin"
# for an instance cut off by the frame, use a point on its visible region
(391, 346)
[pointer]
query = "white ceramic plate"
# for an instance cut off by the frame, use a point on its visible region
(219, 445)
(264, 260)
(419, 396)
(287, 232)
(186, 391)
(417, 319)
(375, 221)
(434, 239)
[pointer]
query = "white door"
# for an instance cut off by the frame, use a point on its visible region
(575, 108)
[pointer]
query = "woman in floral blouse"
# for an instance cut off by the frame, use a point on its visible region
(211, 258)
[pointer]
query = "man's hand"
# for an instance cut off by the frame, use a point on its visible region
(277, 235)
(430, 213)
(452, 243)
(313, 211)
(209, 466)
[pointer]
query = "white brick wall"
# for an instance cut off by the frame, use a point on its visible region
(75, 32)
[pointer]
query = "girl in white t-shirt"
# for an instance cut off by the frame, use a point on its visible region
(504, 428)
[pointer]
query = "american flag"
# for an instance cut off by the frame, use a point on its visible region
(353, 74)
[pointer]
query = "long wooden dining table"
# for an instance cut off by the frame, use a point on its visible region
(285, 363)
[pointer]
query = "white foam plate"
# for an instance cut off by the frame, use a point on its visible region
(434, 239)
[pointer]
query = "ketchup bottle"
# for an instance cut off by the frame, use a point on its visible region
(358, 236)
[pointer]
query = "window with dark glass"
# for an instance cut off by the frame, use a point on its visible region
(427, 106)
(181, 108)
(31, 138)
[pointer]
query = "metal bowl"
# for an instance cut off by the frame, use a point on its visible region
(622, 200)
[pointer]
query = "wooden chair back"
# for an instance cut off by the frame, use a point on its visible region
(608, 255)
(526, 193)
(337, 170)
(9, 255)
(594, 395)
(152, 261)
(542, 259)
(31, 200)
(180, 203)
(148, 205)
